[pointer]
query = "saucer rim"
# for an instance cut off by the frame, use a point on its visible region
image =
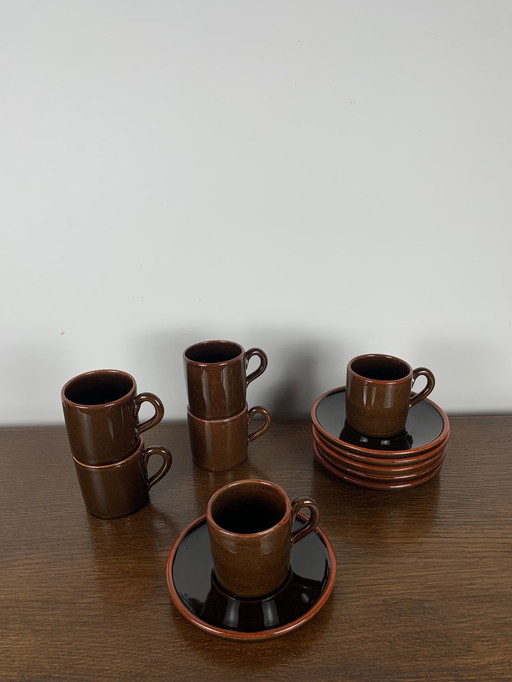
(259, 634)
(381, 472)
(445, 432)
(414, 463)
(384, 456)
(375, 485)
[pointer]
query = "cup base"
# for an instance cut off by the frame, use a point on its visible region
(118, 514)
(257, 597)
(209, 464)
(398, 441)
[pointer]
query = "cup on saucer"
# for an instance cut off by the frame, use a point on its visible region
(379, 393)
(250, 529)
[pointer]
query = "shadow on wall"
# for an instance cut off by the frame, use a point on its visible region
(160, 355)
(300, 367)
(463, 366)
(291, 393)
(303, 364)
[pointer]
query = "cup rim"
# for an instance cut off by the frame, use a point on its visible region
(204, 344)
(218, 420)
(93, 372)
(380, 356)
(243, 482)
(118, 463)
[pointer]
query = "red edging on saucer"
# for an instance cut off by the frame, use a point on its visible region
(379, 453)
(248, 636)
(373, 485)
(344, 459)
(379, 478)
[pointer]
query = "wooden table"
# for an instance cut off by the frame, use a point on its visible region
(423, 588)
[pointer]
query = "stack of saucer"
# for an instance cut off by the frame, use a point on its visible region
(404, 461)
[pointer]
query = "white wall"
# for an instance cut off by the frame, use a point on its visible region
(320, 178)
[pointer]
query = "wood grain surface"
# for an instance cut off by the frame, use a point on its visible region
(423, 588)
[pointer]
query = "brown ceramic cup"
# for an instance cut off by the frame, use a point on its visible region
(101, 414)
(379, 393)
(250, 528)
(114, 490)
(222, 444)
(217, 379)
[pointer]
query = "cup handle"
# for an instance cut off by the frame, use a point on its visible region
(159, 411)
(314, 516)
(418, 372)
(262, 366)
(166, 463)
(264, 427)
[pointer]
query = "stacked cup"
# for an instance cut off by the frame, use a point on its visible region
(101, 414)
(218, 414)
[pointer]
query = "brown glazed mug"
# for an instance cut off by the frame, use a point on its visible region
(101, 414)
(250, 528)
(114, 490)
(379, 393)
(217, 379)
(222, 444)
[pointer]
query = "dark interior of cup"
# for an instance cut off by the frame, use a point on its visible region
(248, 510)
(381, 368)
(213, 351)
(98, 388)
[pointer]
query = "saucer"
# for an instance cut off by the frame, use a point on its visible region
(375, 484)
(378, 465)
(427, 426)
(200, 599)
(344, 461)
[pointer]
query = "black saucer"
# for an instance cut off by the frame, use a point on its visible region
(198, 597)
(427, 426)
